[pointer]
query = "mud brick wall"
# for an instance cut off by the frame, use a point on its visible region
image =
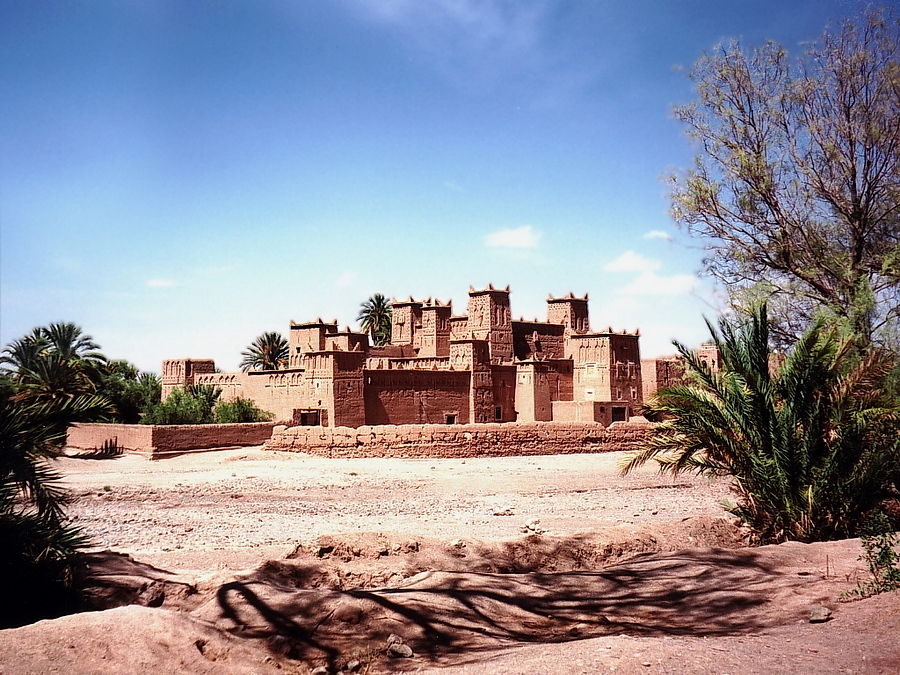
(463, 440)
(131, 437)
(157, 441)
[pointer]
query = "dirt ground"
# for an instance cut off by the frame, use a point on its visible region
(251, 561)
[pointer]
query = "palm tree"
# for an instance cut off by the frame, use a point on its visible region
(67, 340)
(811, 448)
(375, 318)
(39, 544)
(54, 361)
(23, 354)
(268, 351)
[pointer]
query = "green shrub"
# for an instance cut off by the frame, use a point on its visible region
(879, 543)
(194, 406)
(201, 405)
(238, 411)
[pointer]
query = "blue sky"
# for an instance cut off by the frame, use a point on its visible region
(178, 176)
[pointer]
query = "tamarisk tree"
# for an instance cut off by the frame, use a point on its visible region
(796, 187)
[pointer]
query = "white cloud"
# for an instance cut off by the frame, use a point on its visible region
(647, 281)
(346, 279)
(519, 237)
(632, 262)
(160, 283)
(669, 285)
(658, 234)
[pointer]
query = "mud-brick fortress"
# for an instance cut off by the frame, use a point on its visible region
(446, 369)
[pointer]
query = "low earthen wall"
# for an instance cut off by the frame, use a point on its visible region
(158, 441)
(463, 440)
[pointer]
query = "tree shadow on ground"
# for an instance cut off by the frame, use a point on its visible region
(107, 579)
(698, 593)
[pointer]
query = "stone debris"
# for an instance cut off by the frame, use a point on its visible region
(400, 650)
(533, 527)
(819, 614)
(396, 647)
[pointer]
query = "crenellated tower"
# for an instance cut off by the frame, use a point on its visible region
(571, 312)
(490, 320)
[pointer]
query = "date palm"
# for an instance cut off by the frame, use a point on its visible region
(811, 448)
(38, 542)
(54, 361)
(268, 351)
(375, 318)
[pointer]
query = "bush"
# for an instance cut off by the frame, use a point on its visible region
(240, 410)
(201, 405)
(879, 542)
(194, 406)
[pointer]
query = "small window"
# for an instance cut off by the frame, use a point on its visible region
(498, 413)
(451, 419)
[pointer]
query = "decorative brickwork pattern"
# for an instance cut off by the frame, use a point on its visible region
(469, 440)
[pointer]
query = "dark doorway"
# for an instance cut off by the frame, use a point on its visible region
(308, 418)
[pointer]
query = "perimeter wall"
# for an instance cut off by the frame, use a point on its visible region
(460, 440)
(158, 441)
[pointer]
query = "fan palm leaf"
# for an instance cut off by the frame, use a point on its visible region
(375, 318)
(269, 351)
(810, 449)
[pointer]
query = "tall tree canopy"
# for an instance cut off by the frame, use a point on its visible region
(796, 187)
(375, 318)
(269, 351)
(54, 362)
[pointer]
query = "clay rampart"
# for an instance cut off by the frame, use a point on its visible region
(460, 440)
(158, 441)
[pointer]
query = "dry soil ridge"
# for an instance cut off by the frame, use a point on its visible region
(618, 575)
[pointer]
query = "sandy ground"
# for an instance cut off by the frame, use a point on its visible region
(246, 561)
(233, 508)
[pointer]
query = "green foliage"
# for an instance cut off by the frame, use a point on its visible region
(194, 406)
(881, 556)
(39, 544)
(201, 405)
(811, 448)
(131, 392)
(59, 361)
(239, 411)
(54, 362)
(375, 318)
(796, 186)
(268, 351)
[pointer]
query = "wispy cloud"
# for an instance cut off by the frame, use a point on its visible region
(159, 283)
(632, 262)
(647, 281)
(658, 234)
(466, 38)
(661, 284)
(519, 237)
